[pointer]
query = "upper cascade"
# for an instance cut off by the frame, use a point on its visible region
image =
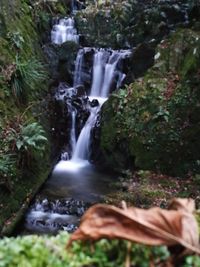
(106, 70)
(64, 30)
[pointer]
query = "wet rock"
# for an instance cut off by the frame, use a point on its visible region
(194, 13)
(142, 59)
(139, 22)
(51, 216)
(174, 13)
(94, 103)
(51, 55)
(80, 90)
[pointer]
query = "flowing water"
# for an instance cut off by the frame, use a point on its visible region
(64, 30)
(75, 183)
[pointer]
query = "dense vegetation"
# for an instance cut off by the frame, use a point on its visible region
(36, 251)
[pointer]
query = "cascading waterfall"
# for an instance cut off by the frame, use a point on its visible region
(109, 72)
(67, 179)
(105, 75)
(100, 59)
(73, 132)
(64, 31)
(105, 72)
(104, 68)
(78, 68)
(81, 151)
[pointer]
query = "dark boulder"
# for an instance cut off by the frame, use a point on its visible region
(80, 90)
(141, 60)
(94, 103)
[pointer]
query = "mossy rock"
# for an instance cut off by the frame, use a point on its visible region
(157, 117)
(121, 24)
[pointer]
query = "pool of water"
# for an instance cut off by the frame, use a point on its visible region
(71, 189)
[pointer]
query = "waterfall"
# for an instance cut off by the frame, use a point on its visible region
(73, 6)
(82, 148)
(100, 59)
(81, 151)
(106, 75)
(104, 67)
(105, 70)
(64, 31)
(109, 72)
(78, 68)
(73, 132)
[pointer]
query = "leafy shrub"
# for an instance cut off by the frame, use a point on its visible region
(50, 251)
(35, 251)
(7, 170)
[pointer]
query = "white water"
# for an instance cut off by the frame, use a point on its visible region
(104, 70)
(78, 68)
(109, 72)
(100, 59)
(48, 216)
(82, 148)
(64, 31)
(73, 132)
(73, 6)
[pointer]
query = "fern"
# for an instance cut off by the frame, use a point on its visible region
(32, 136)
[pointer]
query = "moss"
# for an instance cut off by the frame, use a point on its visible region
(156, 119)
(19, 40)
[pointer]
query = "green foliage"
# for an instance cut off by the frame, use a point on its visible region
(27, 77)
(36, 251)
(8, 170)
(192, 261)
(16, 39)
(20, 141)
(31, 137)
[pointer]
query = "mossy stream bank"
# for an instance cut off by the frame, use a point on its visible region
(24, 124)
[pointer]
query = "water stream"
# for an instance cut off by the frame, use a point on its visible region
(64, 30)
(75, 183)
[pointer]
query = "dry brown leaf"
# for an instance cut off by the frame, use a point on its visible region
(150, 227)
